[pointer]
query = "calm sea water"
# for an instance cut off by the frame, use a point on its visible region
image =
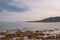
(31, 26)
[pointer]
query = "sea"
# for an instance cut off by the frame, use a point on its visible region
(29, 25)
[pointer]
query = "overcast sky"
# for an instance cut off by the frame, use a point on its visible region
(24, 10)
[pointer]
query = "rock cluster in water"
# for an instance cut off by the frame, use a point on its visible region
(30, 35)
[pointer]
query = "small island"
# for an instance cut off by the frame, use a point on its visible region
(50, 19)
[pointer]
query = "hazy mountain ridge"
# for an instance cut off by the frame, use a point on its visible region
(50, 19)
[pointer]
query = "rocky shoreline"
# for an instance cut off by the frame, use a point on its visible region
(52, 34)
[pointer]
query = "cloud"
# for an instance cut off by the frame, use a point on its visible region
(11, 5)
(40, 9)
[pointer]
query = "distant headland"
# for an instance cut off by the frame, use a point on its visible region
(50, 19)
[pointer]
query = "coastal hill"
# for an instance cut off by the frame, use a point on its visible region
(50, 19)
